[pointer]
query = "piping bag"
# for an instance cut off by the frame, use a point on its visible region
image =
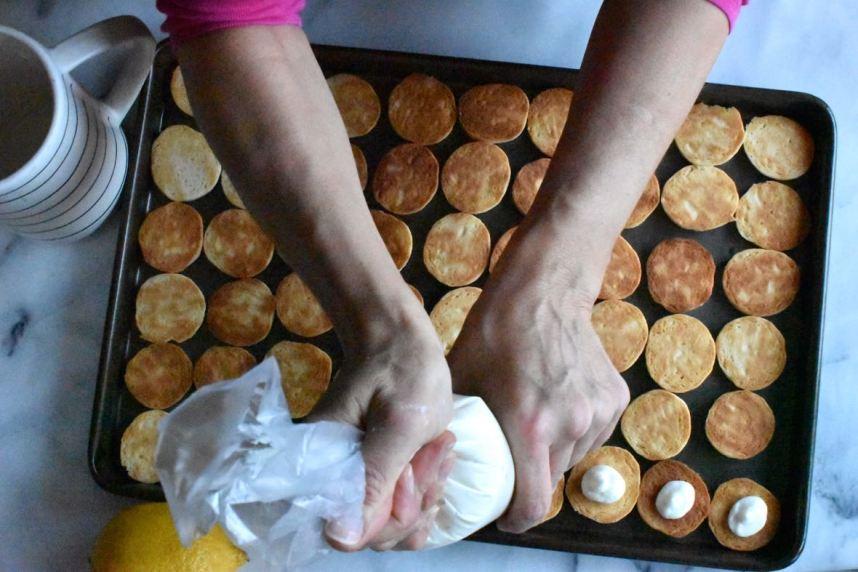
(231, 454)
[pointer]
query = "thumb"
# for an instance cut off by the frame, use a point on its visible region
(387, 448)
(389, 444)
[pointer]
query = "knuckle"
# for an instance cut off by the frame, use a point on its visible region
(535, 426)
(414, 542)
(375, 485)
(529, 514)
(383, 546)
(621, 395)
(580, 419)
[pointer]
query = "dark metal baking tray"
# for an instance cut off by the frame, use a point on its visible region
(785, 467)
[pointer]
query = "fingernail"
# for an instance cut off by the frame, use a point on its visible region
(345, 530)
(449, 446)
(433, 512)
(409, 483)
(446, 468)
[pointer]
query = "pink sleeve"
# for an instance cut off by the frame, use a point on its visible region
(730, 8)
(190, 18)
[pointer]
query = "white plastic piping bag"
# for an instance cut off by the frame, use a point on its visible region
(231, 454)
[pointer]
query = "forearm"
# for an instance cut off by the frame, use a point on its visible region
(643, 69)
(266, 110)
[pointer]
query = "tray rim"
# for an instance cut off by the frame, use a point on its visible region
(131, 188)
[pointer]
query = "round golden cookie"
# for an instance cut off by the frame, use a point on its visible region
(357, 101)
(241, 312)
(159, 375)
(169, 308)
(406, 179)
(495, 112)
(654, 479)
(700, 198)
(646, 204)
(624, 463)
(772, 215)
(298, 309)
(680, 274)
(657, 425)
(236, 244)
(751, 352)
(680, 353)
(556, 500)
(547, 118)
(623, 331)
(396, 236)
(740, 424)
(623, 274)
(305, 372)
(222, 362)
(360, 165)
(711, 134)
(183, 165)
(138, 444)
(456, 250)
(448, 315)
(179, 93)
(229, 192)
(726, 495)
(171, 237)
(500, 246)
(527, 183)
(475, 177)
(778, 147)
(422, 109)
(761, 282)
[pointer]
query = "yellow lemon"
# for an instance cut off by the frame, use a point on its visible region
(142, 537)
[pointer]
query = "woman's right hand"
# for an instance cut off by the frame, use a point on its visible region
(396, 387)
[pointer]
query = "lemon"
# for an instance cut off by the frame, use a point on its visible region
(142, 537)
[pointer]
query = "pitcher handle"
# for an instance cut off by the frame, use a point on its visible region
(121, 31)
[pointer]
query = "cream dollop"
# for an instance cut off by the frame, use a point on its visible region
(603, 484)
(748, 516)
(675, 499)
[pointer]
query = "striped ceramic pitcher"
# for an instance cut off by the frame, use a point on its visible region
(63, 155)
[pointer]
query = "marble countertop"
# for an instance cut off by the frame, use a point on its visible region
(53, 298)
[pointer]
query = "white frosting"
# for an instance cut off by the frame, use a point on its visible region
(603, 484)
(747, 516)
(675, 499)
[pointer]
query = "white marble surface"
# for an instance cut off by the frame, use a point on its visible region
(53, 298)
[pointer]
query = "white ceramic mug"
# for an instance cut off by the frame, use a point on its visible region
(63, 155)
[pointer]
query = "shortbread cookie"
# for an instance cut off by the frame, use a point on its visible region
(779, 147)
(710, 134)
(761, 282)
(622, 329)
(495, 112)
(751, 352)
(680, 353)
(772, 215)
(624, 463)
(654, 479)
(740, 424)
(657, 425)
(680, 274)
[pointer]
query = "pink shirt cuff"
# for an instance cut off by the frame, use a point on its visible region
(730, 8)
(191, 18)
(188, 19)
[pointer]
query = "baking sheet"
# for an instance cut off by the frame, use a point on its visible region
(785, 466)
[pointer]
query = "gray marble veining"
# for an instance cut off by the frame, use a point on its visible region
(53, 297)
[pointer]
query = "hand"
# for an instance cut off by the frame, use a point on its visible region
(530, 351)
(396, 388)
